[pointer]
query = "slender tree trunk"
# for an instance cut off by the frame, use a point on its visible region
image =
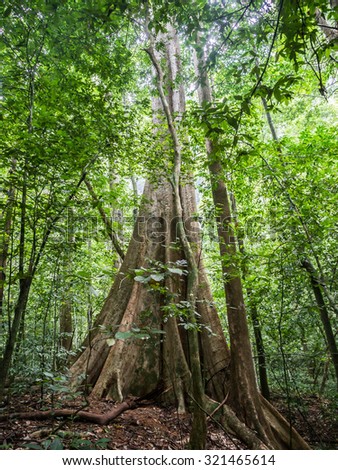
(135, 192)
(324, 315)
(244, 394)
(7, 225)
(17, 324)
(66, 325)
(262, 367)
(20, 307)
(116, 215)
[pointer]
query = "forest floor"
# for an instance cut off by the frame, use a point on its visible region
(149, 427)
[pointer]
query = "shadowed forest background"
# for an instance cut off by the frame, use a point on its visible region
(168, 224)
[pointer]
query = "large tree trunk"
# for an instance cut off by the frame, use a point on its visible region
(141, 307)
(178, 296)
(134, 366)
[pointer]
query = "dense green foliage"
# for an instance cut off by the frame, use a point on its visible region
(76, 96)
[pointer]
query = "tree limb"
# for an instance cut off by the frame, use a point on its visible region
(111, 233)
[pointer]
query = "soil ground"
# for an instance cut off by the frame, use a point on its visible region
(150, 427)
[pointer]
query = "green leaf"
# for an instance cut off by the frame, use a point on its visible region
(277, 94)
(175, 271)
(182, 262)
(124, 335)
(7, 12)
(56, 444)
(46, 444)
(246, 108)
(142, 279)
(232, 122)
(157, 332)
(102, 443)
(32, 446)
(157, 277)
(142, 336)
(48, 374)
(189, 326)
(84, 274)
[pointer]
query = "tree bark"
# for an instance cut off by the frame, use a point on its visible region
(176, 105)
(262, 367)
(244, 394)
(66, 325)
(135, 366)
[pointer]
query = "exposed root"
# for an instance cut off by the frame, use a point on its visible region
(286, 436)
(223, 414)
(285, 433)
(101, 419)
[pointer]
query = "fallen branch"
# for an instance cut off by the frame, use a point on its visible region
(80, 415)
(101, 419)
